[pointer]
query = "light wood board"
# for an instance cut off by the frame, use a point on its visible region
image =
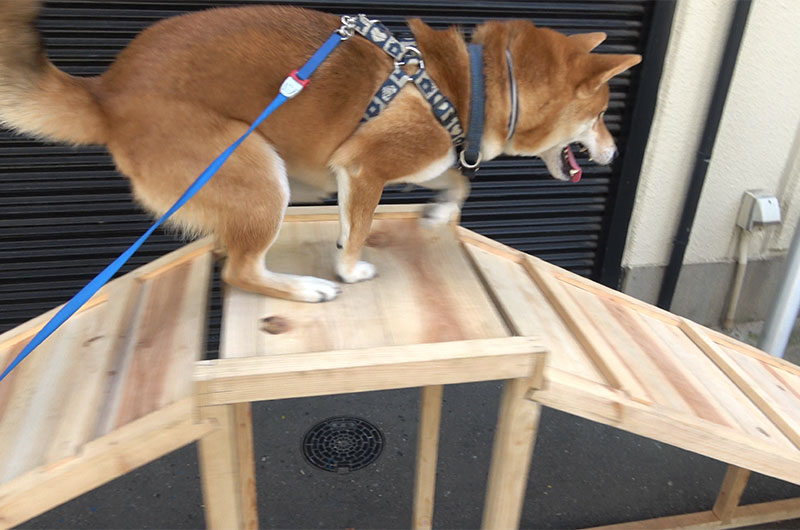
(622, 362)
(120, 365)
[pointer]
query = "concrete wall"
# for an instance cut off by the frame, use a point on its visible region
(758, 147)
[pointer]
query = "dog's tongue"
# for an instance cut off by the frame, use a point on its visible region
(573, 164)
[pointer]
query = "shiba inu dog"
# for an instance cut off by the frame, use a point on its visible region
(188, 86)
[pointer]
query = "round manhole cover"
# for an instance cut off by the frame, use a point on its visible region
(341, 445)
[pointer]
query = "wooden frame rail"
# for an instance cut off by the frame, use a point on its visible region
(225, 388)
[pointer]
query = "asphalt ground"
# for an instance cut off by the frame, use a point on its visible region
(583, 473)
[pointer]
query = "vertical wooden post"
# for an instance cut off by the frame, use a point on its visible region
(511, 456)
(427, 453)
(730, 493)
(227, 468)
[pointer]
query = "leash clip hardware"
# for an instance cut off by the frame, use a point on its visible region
(412, 55)
(462, 157)
(348, 28)
(293, 85)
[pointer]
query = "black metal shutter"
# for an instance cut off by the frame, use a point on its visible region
(65, 213)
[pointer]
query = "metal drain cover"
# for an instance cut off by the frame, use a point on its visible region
(342, 444)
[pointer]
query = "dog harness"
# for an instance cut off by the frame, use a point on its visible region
(405, 53)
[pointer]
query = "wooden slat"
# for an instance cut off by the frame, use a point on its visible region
(32, 414)
(752, 514)
(322, 373)
(718, 388)
(602, 404)
(93, 357)
(751, 351)
(98, 462)
(765, 401)
(594, 344)
(427, 455)
(527, 312)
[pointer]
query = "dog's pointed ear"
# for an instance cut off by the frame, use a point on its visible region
(602, 67)
(588, 41)
(418, 27)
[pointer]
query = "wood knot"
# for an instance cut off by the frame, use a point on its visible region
(275, 325)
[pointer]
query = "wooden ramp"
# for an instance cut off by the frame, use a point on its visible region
(448, 307)
(109, 391)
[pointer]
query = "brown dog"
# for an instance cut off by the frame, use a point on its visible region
(185, 88)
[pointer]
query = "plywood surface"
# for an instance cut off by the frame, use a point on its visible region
(619, 361)
(426, 292)
(126, 356)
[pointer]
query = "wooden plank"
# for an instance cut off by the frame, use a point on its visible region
(751, 351)
(188, 341)
(473, 239)
(730, 493)
(322, 373)
(99, 461)
(595, 345)
(32, 413)
(427, 456)
(19, 336)
(94, 357)
(602, 291)
(720, 391)
(787, 424)
(426, 292)
(752, 514)
(511, 456)
(777, 384)
(528, 312)
(603, 404)
(296, 214)
(226, 471)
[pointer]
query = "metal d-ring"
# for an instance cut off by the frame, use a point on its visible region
(411, 53)
(463, 159)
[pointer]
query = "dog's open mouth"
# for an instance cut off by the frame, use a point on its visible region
(570, 165)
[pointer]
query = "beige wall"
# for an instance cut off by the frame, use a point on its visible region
(758, 141)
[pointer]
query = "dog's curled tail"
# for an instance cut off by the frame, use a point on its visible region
(35, 97)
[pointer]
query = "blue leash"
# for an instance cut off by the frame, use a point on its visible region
(292, 86)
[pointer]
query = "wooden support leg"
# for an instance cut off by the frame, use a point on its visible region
(227, 468)
(511, 456)
(427, 453)
(730, 493)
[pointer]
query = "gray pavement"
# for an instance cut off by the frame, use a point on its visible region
(583, 474)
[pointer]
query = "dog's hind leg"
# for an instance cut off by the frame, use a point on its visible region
(453, 191)
(243, 204)
(250, 227)
(358, 198)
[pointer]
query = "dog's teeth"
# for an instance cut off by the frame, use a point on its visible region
(572, 172)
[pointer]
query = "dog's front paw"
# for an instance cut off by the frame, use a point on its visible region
(311, 289)
(439, 213)
(360, 272)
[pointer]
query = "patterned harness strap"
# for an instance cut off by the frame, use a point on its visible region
(403, 54)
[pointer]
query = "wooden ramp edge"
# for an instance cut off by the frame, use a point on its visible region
(109, 391)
